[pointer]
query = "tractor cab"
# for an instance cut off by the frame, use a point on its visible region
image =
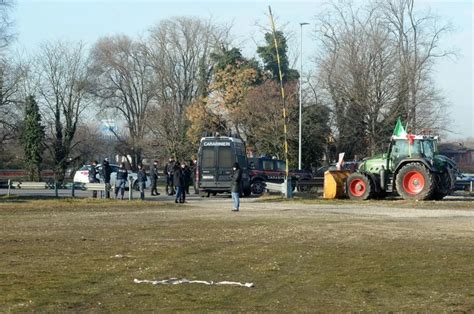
(411, 146)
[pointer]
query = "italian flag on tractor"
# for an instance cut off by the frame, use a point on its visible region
(411, 168)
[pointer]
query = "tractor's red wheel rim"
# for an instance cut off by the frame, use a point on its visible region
(413, 182)
(357, 187)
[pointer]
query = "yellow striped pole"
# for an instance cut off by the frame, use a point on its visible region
(282, 90)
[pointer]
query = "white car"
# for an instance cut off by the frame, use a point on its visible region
(82, 175)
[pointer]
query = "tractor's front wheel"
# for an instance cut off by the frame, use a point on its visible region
(415, 182)
(359, 187)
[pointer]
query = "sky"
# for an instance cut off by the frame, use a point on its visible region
(88, 20)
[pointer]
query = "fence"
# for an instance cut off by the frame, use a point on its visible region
(28, 185)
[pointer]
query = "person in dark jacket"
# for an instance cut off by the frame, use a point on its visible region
(193, 168)
(105, 176)
(169, 168)
(236, 183)
(178, 182)
(141, 179)
(187, 178)
(120, 181)
(93, 176)
(154, 178)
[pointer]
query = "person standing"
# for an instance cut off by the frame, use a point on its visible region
(178, 182)
(193, 169)
(122, 175)
(187, 177)
(236, 183)
(141, 179)
(169, 168)
(154, 179)
(105, 174)
(93, 176)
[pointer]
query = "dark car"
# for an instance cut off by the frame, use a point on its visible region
(265, 169)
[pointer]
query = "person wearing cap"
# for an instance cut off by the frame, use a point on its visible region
(235, 189)
(154, 178)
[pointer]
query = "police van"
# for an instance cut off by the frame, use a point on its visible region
(216, 156)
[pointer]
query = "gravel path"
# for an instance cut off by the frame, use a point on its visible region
(444, 209)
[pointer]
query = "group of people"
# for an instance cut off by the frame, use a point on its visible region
(178, 179)
(104, 173)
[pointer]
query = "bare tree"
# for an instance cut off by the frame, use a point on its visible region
(180, 49)
(9, 75)
(361, 68)
(6, 34)
(12, 76)
(62, 72)
(416, 36)
(357, 70)
(124, 82)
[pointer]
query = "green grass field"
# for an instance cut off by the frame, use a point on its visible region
(83, 255)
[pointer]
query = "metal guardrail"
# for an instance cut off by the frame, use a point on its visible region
(29, 185)
(465, 185)
(304, 185)
(307, 185)
(275, 187)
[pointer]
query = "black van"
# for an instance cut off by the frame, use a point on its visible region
(216, 157)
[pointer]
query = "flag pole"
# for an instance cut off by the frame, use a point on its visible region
(282, 91)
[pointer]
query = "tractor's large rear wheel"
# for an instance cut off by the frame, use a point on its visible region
(415, 182)
(359, 187)
(443, 186)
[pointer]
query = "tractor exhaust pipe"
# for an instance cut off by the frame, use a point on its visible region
(382, 178)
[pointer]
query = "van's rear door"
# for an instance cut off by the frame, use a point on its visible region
(225, 160)
(208, 164)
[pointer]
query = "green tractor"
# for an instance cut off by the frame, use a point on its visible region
(412, 168)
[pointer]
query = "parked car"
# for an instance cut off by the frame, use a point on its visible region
(464, 182)
(264, 169)
(82, 175)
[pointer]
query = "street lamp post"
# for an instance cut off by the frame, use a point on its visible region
(301, 92)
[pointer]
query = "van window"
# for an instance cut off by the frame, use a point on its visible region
(281, 165)
(239, 148)
(242, 161)
(268, 165)
(225, 157)
(207, 157)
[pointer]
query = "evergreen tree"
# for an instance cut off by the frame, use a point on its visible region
(233, 58)
(32, 138)
(269, 57)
